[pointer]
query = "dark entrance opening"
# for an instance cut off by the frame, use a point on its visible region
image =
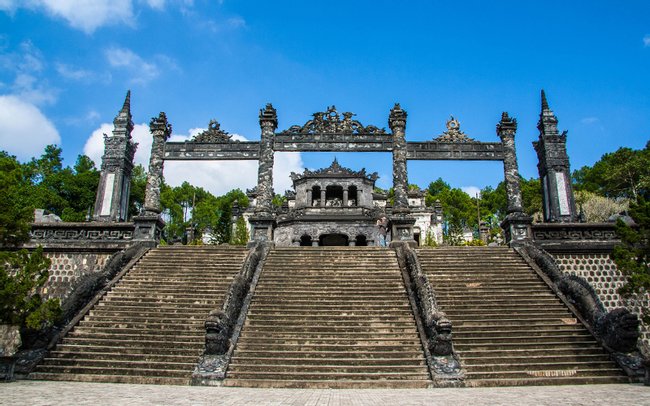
(339, 240)
(361, 241)
(305, 241)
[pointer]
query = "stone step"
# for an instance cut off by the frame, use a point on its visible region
(260, 362)
(561, 380)
(116, 325)
(95, 355)
(560, 372)
(94, 370)
(174, 330)
(136, 350)
(335, 382)
(364, 376)
(549, 357)
(126, 363)
(281, 369)
(554, 365)
(133, 379)
(135, 335)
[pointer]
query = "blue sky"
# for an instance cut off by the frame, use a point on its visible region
(66, 65)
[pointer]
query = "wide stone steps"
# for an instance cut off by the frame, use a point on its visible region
(149, 327)
(509, 327)
(329, 318)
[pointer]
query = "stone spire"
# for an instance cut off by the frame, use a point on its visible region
(112, 200)
(554, 169)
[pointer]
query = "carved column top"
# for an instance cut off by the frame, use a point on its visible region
(547, 124)
(269, 117)
(507, 127)
(160, 126)
(397, 118)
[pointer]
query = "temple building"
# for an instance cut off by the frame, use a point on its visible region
(337, 206)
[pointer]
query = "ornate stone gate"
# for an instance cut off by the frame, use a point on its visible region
(333, 131)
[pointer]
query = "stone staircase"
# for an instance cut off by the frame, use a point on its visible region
(329, 317)
(149, 327)
(509, 327)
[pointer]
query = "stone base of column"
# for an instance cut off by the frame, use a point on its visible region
(262, 227)
(517, 227)
(402, 229)
(148, 227)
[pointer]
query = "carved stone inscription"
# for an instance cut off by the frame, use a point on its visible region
(563, 198)
(108, 195)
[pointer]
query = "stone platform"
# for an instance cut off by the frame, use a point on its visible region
(79, 393)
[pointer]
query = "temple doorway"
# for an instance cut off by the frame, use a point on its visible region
(333, 240)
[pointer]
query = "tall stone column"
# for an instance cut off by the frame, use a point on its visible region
(323, 196)
(160, 131)
(149, 225)
(310, 198)
(346, 193)
(112, 199)
(554, 171)
(397, 124)
(262, 222)
(402, 229)
(268, 125)
(516, 224)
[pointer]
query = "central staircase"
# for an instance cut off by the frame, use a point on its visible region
(509, 327)
(149, 327)
(329, 317)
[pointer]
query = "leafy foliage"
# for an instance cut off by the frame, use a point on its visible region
(15, 215)
(621, 174)
(632, 256)
(22, 274)
(598, 208)
(241, 236)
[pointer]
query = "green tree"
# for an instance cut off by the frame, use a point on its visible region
(138, 187)
(241, 236)
(632, 256)
(22, 274)
(621, 174)
(16, 212)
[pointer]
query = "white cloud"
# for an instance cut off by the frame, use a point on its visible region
(140, 70)
(69, 72)
(24, 130)
(156, 4)
(472, 191)
(87, 15)
(218, 177)
(646, 40)
(30, 89)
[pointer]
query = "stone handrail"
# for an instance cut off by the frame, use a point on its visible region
(97, 236)
(437, 328)
(222, 326)
(617, 330)
(86, 292)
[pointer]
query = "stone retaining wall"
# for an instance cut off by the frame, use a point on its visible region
(68, 267)
(601, 272)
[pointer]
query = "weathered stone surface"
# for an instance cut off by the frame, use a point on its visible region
(268, 125)
(554, 170)
(397, 124)
(9, 340)
(160, 130)
(506, 130)
(112, 199)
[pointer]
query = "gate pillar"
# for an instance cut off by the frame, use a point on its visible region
(516, 224)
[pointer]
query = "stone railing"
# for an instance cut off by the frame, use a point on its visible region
(435, 329)
(617, 330)
(564, 237)
(222, 326)
(86, 292)
(93, 236)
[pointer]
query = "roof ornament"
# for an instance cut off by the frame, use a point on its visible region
(214, 133)
(331, 122)
(453, 133)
